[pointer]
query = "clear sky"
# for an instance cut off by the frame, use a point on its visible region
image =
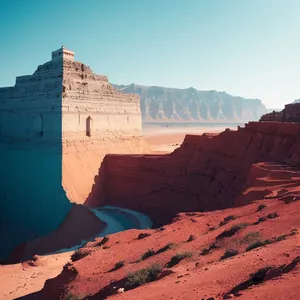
(249, 48)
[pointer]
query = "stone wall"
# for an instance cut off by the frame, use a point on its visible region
(56, 126)
(89, 96)
(97, 119)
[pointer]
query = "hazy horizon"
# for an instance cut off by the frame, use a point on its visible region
(245, 48)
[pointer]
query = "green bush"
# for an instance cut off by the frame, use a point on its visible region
(261, 207)
(294, 231)
(232, 231)
(281, 238)
(165, 248)
(205, 251)
(118, 265)
(143, 235)
(229, 253)
(143, 276)
(104, 240)
(250, 237)
(259, 275)
(147, 254)
(257, 244)
(227, 219)
(177, 258)
(79, 254)
(71, 296)
(191, 238)
(260, 220)
(272, 215)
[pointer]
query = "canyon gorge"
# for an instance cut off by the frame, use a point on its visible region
(224, 206)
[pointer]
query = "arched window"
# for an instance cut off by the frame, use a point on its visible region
(88, 130)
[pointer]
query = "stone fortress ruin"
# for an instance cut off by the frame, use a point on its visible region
(89, 107)
(56, 126)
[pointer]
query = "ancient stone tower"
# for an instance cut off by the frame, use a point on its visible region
(56, 126)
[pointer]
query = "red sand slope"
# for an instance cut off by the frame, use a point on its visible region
(201, 276)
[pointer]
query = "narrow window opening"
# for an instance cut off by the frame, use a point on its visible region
(89, 126)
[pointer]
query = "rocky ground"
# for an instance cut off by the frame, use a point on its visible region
(251, 252)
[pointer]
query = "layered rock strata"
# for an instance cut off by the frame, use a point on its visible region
(97, 119)
(290, 113)
(56, 126)
(207, 172)
(162, 104)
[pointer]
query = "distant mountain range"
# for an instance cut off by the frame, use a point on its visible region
(161, 104)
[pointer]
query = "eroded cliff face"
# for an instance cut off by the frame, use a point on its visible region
(207, 172)
(162, 104)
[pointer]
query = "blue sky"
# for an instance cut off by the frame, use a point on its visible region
(249, 48)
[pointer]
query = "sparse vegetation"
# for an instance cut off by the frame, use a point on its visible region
(147, 254)
(102, 242)
(191, 238)
(250, 237)
(206, 251)
(71, 296)
(281, 237)
(118, 265)
(177, 258)
(272, 215)
(259, 276)
(143, 235)
(260, 220)
(229, 253)
(165, 248)
(227, 220)
(143, 276)
(294, 231)
(79, 254)
(273, 240)
(257, 244)
(232, 231)
(263, 219)
(261, 207)
(70, 267)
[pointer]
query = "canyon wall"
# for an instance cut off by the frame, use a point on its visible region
(207, 172)
(161, 104)
(290, 113)
(56, 126)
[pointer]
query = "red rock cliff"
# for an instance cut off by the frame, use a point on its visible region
(207, 172)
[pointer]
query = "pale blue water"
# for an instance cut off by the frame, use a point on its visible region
(117, 219)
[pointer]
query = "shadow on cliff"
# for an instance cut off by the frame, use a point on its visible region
(33, 202)
(128, 181)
